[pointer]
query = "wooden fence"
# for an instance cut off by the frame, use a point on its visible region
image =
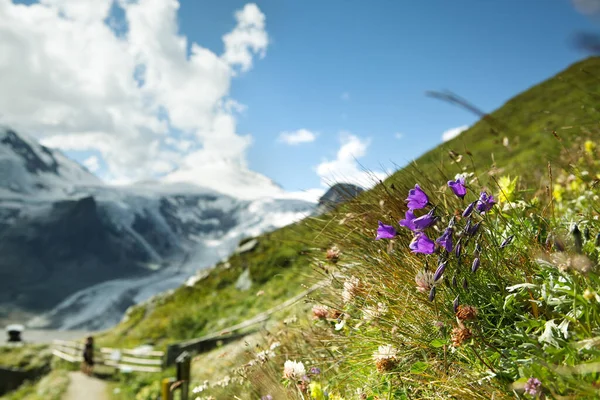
(125, 360)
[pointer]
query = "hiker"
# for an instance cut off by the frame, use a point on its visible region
(88, 357)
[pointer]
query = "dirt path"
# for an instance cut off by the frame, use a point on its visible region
(85, 387)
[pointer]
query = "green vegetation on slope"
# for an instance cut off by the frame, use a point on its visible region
(564, 103)
(517, 139)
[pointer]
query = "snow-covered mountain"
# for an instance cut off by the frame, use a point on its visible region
(81, 252)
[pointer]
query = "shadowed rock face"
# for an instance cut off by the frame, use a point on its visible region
(337, 194)
(32, 161)
(64, 235)
(48, 256)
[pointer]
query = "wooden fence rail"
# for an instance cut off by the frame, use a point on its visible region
(125, 360)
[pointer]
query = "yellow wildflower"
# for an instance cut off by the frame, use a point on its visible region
(316, 391)
(507, 189)
(590, 147)
(557, 192)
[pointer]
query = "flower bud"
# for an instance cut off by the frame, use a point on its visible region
(475, 265)
(432, 294)
(455, 304)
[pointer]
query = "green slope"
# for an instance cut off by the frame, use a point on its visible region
(279, 265)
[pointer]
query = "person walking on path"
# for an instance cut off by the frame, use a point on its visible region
(88, 357)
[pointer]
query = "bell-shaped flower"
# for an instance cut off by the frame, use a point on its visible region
(407, 222)
(422, 244)
(385, 231)
(446, 240)
(458, 187)
(417, 198)
(424, 221)
(485, 202)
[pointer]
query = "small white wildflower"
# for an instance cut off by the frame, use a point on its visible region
(340, 325)
(293, 370)
(264, 356)
(200, 388)
(385, 352)
(275, 345)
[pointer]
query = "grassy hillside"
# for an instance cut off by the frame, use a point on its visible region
(520, 138)
(565, 104)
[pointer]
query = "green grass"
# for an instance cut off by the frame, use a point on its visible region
(50, 387)
(536, 125)
(27, 357)
(565, 104)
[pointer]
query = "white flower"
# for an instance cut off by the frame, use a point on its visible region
(275, 345)
(293, 370)
(351, 289)
(340, 325)
(386, 352)
(264, 356)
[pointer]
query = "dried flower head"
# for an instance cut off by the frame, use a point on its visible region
(465, 313)
(333, 254)
(293, 370)
(385, 358)
(460, 334)
(320, 312)
(374, 312)
(334, 314)
(352, 288)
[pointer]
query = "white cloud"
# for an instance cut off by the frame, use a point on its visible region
(345, 168)
(345, 96)
(297, 137)
(92, 163)
(454, 132)
(398, 135)
(68, 78)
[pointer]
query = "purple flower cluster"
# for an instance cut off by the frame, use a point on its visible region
(419, 222)
(533, 386)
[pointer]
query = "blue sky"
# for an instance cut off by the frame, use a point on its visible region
(349, 67)
(385, 57)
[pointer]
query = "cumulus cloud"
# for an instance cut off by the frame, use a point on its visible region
(454, 132)
(148, 101)
(297, 137)
(92, 163)
(345, 167)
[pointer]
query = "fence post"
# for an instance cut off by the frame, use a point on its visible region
(183, 373)
(165, 389)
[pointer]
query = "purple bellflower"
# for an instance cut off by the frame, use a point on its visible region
(417, 198)
(439, 271)
(408, 221)
(469, 209)
(485, 202)
(422, 244)
(458, 187)
(385, 231)
(424, 221)
(446, 240)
